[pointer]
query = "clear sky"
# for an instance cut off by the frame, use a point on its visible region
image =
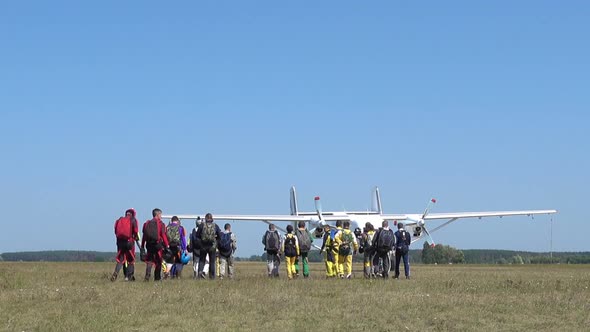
(221, 106)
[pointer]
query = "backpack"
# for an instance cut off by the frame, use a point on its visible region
(151, 233)
(290, 249)
(304, 240)
(225, 244)
(385, 240)
(208, 234)
(123, 228)
(345, 245)
(369, 240)
(273, 242)
(173, 234)
(402, 244)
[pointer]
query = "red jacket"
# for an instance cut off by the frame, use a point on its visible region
(161, 233)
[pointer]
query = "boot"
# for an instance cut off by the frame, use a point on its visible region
(114, 277)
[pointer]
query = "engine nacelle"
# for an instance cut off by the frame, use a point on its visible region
(318, 232)
(417, 231)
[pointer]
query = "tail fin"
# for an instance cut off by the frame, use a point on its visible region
(376, 201)
(294, 209)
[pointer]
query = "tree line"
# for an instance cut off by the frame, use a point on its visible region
(439, 254)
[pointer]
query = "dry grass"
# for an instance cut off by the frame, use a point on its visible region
(79, 297)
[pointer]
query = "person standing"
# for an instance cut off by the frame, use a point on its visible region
(326, 249)
(304, 238)
(383, 242)
(347, 245)
(272, 245)
(209, 234)
(291, 250)
(126, 233)
(195, 247)
(369, 250)
(177, 238)
(155, 240)
(402, 249)
(227, 248)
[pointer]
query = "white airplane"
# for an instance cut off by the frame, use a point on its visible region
(415, 223)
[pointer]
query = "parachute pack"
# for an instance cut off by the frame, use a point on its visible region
(290, 247)
(304, 240)
(385, 240)
(225, 244)
(123, 228)
(272, 242)
(402, 245)
(173, 234)
(345, 246)
(208, 234)
(151, 231)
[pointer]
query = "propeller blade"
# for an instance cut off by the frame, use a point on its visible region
(318, 207)
(428, 206)
(429, 236)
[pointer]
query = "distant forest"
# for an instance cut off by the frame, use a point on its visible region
(440, 254)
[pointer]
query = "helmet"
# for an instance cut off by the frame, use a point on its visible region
(184, 259)
(168, 255)
(142, 254)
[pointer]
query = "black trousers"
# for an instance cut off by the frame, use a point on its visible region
(212, 261)
(386, 262)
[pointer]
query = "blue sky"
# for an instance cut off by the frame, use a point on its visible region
(222, 106)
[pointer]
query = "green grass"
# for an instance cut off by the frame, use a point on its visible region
(79, 297)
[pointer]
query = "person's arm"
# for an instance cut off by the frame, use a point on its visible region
(217, 233)
(324, 240)
(234, 242)
(296, 245)
(409, 239)
(163, 234)
(355, 243)
(143, 237)
(116, 222)
(135, 232)
(282, 245)
(182, 238)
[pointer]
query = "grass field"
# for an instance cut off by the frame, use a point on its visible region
(79, 297)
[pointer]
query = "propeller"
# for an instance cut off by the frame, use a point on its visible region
(423, 224)
(318, 210)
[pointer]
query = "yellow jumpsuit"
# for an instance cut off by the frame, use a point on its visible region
(289, 258)
(345, 261)
(335, 247)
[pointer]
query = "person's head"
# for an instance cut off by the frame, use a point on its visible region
(400, 226)
(197, 222)
(385, 224)
(346, 224)
(338, 223)
(326, 228)
(208, 217)
(174, 219)
(301, 224)
(156, 213)
(130, 213)
(227, 227)
(289, 228)
(369, 227)
(271, 227)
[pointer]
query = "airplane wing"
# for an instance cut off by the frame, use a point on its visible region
(258, 217)
(394, 216)
(459, 215)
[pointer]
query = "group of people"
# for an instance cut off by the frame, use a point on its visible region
(165, 248)
(338, 247)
